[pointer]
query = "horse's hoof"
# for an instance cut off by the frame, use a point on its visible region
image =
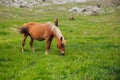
(22, 52)
(46, 53)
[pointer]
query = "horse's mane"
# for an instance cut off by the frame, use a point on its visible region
(56, 30)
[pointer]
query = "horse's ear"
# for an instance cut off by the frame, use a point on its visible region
(61, 39)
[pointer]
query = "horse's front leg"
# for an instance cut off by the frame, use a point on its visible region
(23, 42)
(31, 44)
(48, 44)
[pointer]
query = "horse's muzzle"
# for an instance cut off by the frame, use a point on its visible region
(62, 54)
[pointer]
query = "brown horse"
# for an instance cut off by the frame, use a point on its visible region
(46, 31)
(71, 18)
(56, 22)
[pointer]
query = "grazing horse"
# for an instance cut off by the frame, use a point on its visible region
(42, 31)
(71, 18)
(56, 22)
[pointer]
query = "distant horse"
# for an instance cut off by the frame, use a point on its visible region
(71, 18)
(44, 31)
(56, 22)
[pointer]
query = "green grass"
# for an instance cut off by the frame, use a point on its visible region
(92, 49)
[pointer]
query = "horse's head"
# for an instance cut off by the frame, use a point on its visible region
(61, 45)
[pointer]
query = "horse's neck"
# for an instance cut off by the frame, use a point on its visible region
(57, 33)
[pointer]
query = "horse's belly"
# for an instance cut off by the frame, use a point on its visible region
(38, 37)
(41, 38)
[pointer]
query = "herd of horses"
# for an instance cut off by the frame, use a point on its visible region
(43, 31)
(71, 18)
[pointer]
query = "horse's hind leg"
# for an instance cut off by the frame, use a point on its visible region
(23, 42)
(31, 44)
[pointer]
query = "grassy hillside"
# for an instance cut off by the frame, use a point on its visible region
(92, 49)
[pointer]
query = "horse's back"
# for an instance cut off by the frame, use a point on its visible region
(37, 30)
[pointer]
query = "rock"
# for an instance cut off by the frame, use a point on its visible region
(32, 3)
(87, 10)
(21, 3)
(67, 1)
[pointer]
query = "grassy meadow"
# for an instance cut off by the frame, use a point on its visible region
(92, 48)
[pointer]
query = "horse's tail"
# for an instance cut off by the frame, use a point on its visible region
(23, 30)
